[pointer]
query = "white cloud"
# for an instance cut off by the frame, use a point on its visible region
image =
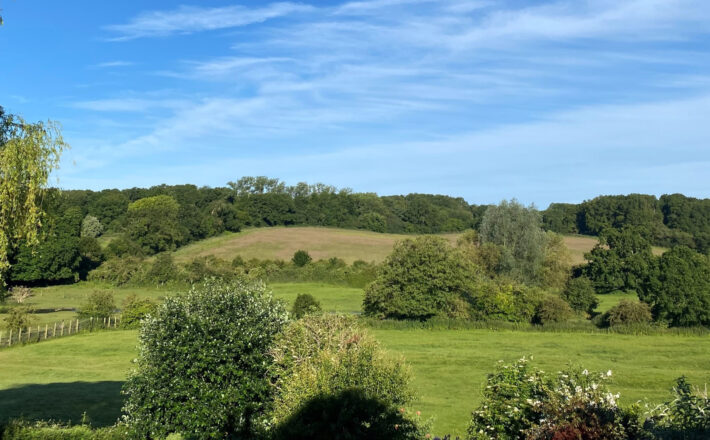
(188, 19)
(117, 63)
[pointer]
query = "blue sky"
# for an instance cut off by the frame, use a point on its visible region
(540, 100)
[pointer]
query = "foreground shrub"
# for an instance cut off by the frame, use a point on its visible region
(323, 359)
(202, 363)
(552, 309)
(579, 294)
(304, 305)
(50, 431)
(520, 402)
(135, 309)
(100, 304)
(686, 417)
(418, 280)
(627, 312)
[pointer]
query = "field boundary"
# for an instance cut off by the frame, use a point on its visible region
(33, 334)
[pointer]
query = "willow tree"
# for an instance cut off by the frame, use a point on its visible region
(29, 152)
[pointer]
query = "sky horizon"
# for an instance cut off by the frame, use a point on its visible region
(542, 101)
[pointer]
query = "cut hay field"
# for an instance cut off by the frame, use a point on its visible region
(60, 379)
(323, 243)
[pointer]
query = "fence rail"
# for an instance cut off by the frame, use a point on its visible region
(30, 334)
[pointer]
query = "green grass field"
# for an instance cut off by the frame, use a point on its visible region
(61, 379)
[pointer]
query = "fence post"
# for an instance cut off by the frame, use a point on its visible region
(54, 333)
(46, 327)
(62, 328)
(77, 325)
(91, 324)
(19, 335)
(39, 336)
(9, 341)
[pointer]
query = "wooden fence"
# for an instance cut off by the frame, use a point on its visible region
(9, 338)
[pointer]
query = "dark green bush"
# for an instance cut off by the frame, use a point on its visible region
(552, 309)
(134, 310)
(627, 312)
(203, 360)
(120, 271)
(99, 305)
(163, 269)
(304, 304)
(301, 258)
(579, 294)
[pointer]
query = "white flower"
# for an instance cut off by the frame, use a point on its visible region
(608, 373)
(585, 372)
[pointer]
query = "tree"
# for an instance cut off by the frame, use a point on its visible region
(99, 305)
(202, 367)
(419, 279)
(305, 303)
(301, 258)
(153, 223)
(28, 154)
(579, 293)
(518, 231)
(619, 261)
(91, 227)
(678, 288)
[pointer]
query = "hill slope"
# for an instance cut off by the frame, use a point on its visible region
(322, 243)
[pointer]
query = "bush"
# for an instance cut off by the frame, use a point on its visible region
(322, 356)
(551, 309)
(203, 360)
(498, 300)
(301, 258)
(91, 227)
(20, 294)
(50, 431)
(99, 305)
(123, 246)
(520, 402)
(201, 268)
(304, 304)
(119, 271)
(686, 417)
(627, 312)
(579, 294)
(134, 310)
(163, 269)
(19, 318)
(418, 280)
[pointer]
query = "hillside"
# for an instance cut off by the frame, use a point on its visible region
(321, 243)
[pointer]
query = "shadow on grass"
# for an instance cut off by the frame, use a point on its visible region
(63, 402)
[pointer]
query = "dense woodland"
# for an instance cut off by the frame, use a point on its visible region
(146, 221)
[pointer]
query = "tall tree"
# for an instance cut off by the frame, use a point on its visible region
(28, 154)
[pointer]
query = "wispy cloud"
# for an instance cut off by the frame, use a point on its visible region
(117, 63)
(187, 19)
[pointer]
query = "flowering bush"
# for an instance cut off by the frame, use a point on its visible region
(524, 403)
(686, 417)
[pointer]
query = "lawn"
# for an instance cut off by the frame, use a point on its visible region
(62, 378)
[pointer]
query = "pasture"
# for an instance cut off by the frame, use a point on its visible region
(63, 378)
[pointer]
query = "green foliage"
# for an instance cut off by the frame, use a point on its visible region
(517, 230)
(552, 309)
(152, 222)
(373, 221)
(305, 304)
(556, 264)
(322, 356)
(418, 280)
(521, 402)
(19, 318)
(620, 261)
(134, 309)
(579, 294)
(99, 305)
(55, 259)
(91, 227)
(627, 312)
(686, 417)
(678, 289)
(124, 246)
(120, 271)
(301, 258)
(202, 363)
(163, 270)
(500, 300)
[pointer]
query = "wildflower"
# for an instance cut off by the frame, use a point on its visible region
(419, 413)
(585, 372)
(608, 373)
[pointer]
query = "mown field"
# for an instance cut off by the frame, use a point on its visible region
(61, 379)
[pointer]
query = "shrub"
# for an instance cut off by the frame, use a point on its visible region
(163, 269)
(203, 360)
(627, 312)
(322, 356)
(19, 430)
(301, 258)
(119, 271)
(304, 304)
(134, 310)
(500, 300)
(418, 279)
(552, 308)
(20, 294)
(521, 402)
(686, 417)
(123, 246)
(19, 318)
(579, 294)
(201, 268)
(100, 304)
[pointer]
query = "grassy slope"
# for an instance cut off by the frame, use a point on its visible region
(60, 379)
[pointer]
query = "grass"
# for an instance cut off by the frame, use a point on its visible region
(332, 298)
(60, 379)
(609, 300)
